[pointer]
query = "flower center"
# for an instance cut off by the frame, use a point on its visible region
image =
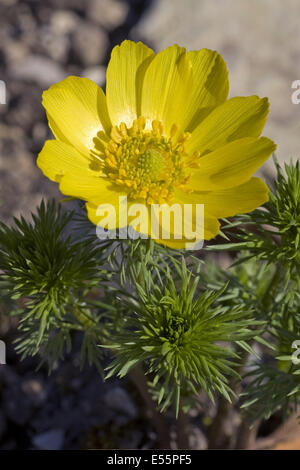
(146, 163)
(151, 164)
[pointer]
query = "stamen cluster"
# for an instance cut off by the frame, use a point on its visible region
(146, 162)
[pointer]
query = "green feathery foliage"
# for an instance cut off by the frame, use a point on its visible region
(272, 232)
(267, 273)
(272, 378)
(43, 264)
(175, 333)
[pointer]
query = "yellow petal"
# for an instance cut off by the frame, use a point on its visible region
(138, 219)
(57, 158)
(125, 73)
(114, 216)
(210, 85)
(166, 88)
(188, 226)
(114, 207)
(236, 118)
(229, 202)
(77, 111)
(95, 189)
(232, 164)
(156, 228)
(211, 230)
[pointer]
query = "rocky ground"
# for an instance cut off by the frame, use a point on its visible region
(70, 409)
(41, 42)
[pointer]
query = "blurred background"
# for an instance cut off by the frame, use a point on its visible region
(42, 42)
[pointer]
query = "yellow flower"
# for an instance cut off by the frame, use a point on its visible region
(165, 132)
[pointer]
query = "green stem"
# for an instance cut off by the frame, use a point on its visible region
(270, 291)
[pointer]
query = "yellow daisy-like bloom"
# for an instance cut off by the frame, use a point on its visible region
(165, 132)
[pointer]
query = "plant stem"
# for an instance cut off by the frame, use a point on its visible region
(159, 421)
(270, 291)
(246, 435)
(217, 428)
(182, 430)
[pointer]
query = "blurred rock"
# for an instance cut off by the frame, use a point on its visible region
(97, 74)
(77, 5)
(22, 190)
(15, 50)
(197, 439)
(55, 36)
(39, 133)
(50, 440)
(285, 437)
(8, 3)
(37, 69)
(119, 400)
(90, 44)
(53, 44)
(107, 13)
(64, 21)
(35, 390)
(259, 41)
(18, 407)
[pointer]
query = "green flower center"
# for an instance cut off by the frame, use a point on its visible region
(151, 164)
